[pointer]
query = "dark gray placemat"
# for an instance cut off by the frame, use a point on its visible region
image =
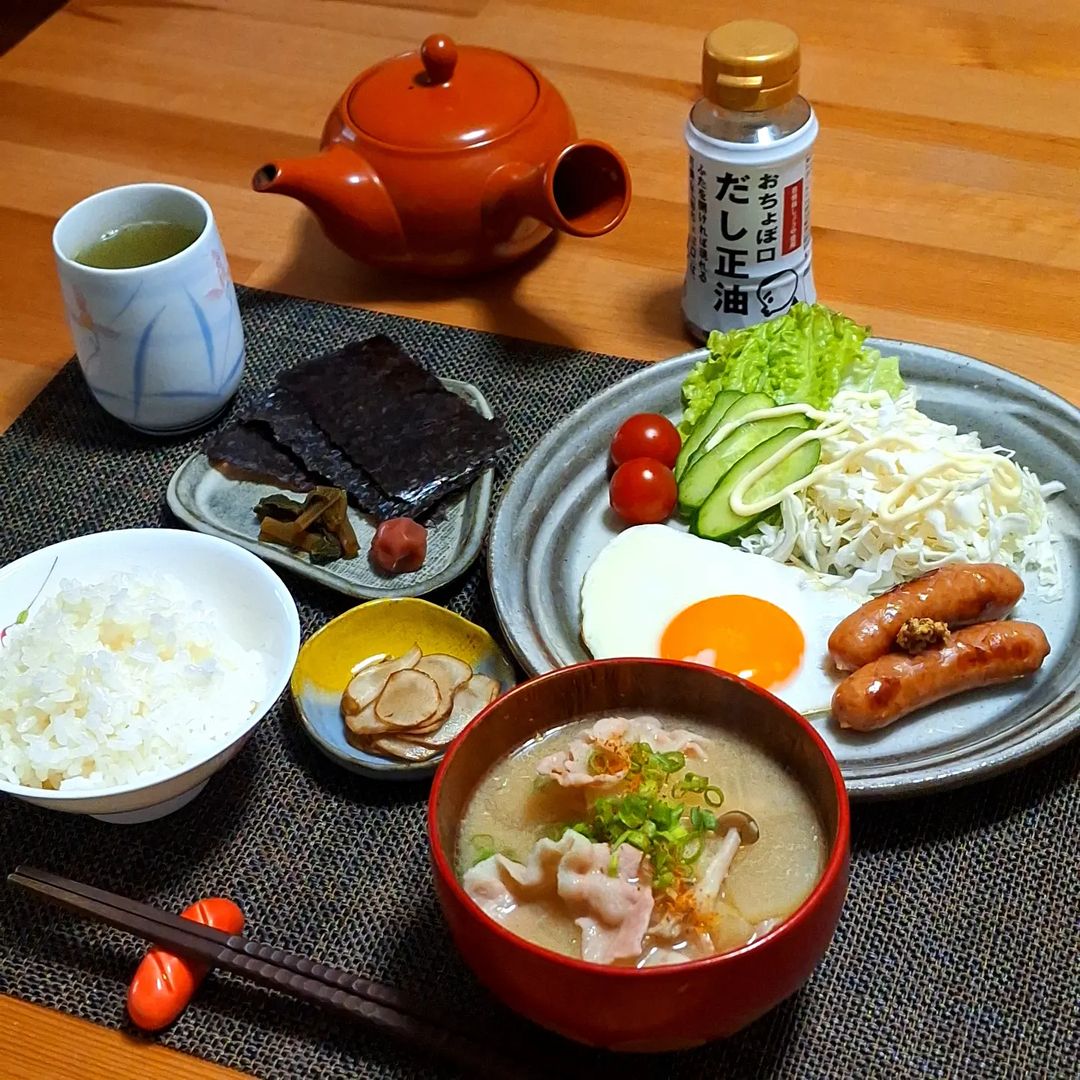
(959, 948)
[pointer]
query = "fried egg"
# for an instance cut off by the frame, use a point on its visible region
(654, 591)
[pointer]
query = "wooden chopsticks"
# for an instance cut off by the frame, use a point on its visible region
(379, 1006)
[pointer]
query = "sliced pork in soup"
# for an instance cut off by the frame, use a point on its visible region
(636, 842)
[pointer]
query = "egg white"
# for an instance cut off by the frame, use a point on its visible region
(647, 574)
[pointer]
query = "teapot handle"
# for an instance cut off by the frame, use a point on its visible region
(439, 54)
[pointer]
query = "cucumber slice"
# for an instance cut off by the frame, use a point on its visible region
(748, 403)
(710, 468)
(717, 521)
(705, 427)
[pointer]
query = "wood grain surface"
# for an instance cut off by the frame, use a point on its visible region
(946, 202)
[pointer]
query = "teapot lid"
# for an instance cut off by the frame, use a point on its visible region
(443, 98)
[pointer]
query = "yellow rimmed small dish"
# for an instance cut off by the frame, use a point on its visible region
(392, 626)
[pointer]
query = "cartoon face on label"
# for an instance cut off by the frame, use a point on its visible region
(776, 293)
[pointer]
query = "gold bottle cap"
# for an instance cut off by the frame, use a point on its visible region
(750, 65)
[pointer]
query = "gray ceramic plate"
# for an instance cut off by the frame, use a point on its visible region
(553, 520)
(205, 500)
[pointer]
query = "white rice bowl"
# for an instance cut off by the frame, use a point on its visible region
(119, 681)
(142, 667)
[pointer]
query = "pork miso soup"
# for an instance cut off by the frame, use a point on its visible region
(637, 842)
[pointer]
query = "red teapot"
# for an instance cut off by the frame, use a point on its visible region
(450, 160)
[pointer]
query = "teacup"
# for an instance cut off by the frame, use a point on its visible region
(161, 346)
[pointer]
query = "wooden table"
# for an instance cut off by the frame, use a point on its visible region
(946, 199)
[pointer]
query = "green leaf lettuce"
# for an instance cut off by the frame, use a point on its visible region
(806, 355)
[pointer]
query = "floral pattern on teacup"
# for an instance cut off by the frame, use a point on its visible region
(224, 281)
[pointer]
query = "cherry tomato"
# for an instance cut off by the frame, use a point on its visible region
(643, 491)
(646, 435)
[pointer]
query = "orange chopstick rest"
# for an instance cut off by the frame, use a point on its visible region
(164, 983)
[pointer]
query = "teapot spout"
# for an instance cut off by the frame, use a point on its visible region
(345, 195)
(584, 190)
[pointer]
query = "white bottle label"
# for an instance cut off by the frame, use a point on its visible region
(748, 253)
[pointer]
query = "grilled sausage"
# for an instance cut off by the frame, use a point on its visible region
(956, 594)
(895, 685)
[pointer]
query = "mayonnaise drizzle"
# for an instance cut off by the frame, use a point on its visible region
(795, 409)
(738, 494)
(896, 493)
(925, 490)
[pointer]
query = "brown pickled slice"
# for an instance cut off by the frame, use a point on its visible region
(448, 671)
(408, 700)
(478, 692)
(446, 732)
(368, 683)
(434, 722)
(450, 674)
(365, 722)
(484, 686)
(403, 749)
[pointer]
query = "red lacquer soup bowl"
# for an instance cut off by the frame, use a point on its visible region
(659, 1008)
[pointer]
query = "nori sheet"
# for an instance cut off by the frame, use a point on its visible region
(249, 453)
(419, 441)
(291, 426)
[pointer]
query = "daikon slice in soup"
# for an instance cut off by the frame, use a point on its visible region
(637, 842)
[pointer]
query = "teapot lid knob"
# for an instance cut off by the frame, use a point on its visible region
(439, 54)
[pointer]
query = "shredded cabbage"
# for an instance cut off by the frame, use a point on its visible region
(897, 494)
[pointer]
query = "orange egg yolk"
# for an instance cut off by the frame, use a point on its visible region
(744, 635)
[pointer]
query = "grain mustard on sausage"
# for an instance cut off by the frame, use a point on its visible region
(957, 595)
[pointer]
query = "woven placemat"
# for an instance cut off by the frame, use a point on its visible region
(957, 954)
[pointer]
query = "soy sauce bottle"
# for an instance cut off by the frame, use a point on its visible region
(749, 138)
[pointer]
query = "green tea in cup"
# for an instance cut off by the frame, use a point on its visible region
(151, 305)
(138, 244)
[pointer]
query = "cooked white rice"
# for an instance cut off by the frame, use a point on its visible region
(118, 682)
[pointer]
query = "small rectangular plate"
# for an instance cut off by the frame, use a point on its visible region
(209, 502)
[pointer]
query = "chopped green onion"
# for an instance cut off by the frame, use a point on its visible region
(692, 849)
(648, 814)
(672, 761)
(633, 811)
(674, 835)
(691, 782)
(648, 789)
